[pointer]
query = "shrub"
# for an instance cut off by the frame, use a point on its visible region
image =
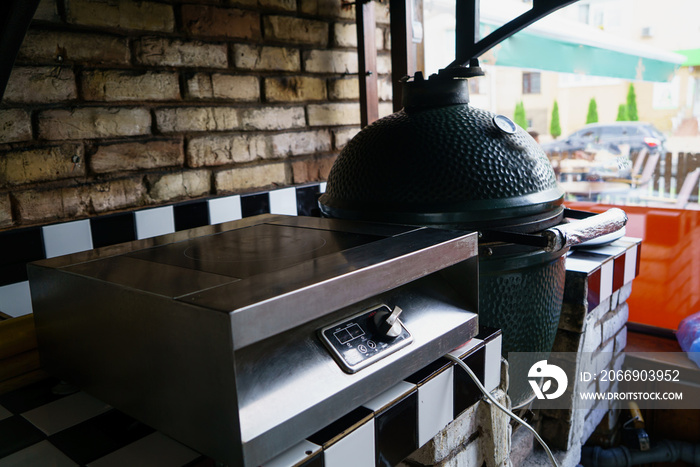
(632, 115)
(622, 113)
(554, 126)
(519, 115)
(592, 116)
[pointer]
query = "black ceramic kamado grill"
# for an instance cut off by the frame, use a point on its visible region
(441, 162)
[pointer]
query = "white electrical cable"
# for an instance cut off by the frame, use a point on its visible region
(504, 409)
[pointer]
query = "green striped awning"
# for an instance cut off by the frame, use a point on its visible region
(554, 45)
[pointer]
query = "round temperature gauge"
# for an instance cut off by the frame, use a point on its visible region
(505, 124)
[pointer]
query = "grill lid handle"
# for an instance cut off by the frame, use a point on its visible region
(579, 231)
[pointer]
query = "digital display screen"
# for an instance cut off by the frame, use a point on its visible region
(349, 333)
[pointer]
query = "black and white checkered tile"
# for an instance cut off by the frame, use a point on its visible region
(607, 268)
(40, 426)
(388, 428)
(20, 246)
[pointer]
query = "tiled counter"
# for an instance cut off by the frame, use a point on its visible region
(433, 417)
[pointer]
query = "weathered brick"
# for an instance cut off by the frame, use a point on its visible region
(272, 118)
(211, 21)
(602, 357)
(239, 88)
(43, 164)
(385, 109)
(116, 195)
(40, 46)
(174, 52)
(47, 11)
(379, 39)
(285, 5)
(296, 30)
(196, 119)
(593, 337)
(312, 169)
(573, 317)
(5, 210)
(40, 84)
(221, 86)
(341, 137)
(92, 122)
(34, 206)
(384, 64)
(614, 321)
(385, 89)
(620, 340)
(199, 86)
(122, 14)
(625, 293)
(344, 88)
(331, 8)
(190, 184)
(250, 57)
(381, 13)
(334, 114)
(247, 178)
(15, 125)
(72, 202)
(345, 35)
(305, 142)
(228, 149)
(295, 89)
(112, 85)
(137, 156)
(330, 61)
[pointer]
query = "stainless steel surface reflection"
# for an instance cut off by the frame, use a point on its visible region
(162, 279)
(211, 335)
(254, 250)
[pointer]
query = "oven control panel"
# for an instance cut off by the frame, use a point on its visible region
(366, 337)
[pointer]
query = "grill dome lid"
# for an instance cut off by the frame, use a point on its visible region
(441, 161)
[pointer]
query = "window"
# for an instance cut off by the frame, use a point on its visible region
(531, 82)
(586, 136)
(613, 131)
(584, 12)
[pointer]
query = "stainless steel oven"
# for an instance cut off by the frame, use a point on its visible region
(241, 339)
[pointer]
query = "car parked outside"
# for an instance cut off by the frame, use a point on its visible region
(609, 136)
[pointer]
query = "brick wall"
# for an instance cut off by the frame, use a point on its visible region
(120, 104)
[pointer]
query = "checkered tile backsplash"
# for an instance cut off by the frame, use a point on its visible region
(20, 246)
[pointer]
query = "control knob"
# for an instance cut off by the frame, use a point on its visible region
(387, 323)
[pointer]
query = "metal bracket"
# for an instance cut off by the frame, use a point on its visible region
(468, 45)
